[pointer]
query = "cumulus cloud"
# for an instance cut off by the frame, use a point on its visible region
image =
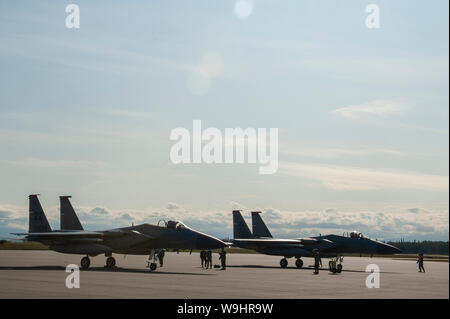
(172, 206)
(4, 214)
(271, 213)
(391, 223)
(99, 211)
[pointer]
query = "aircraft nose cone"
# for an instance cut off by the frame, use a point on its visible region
(395, 250)
(389, 249)
(208, 242)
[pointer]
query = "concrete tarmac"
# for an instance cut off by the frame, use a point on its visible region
(41, 274)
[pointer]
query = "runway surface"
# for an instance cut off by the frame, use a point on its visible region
(41, 274)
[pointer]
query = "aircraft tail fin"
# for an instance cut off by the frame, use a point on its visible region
(259, 227)
(240, 228)
(68, 217)
(37, 222)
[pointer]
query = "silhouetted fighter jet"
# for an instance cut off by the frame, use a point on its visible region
(262, 241)
(135, 240)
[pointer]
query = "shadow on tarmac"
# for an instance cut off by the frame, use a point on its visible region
(104, 269)
(303, 268)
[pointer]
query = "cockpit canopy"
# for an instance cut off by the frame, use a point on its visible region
(356, 234)
(175, 224)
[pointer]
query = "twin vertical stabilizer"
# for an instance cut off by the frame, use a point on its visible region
(259, 227)
(68, 217)
(38, 222)
(241, 230)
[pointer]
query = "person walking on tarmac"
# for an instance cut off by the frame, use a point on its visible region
(206, 260)
(223, 258)
(202, 257)
(209, 259)
(420, 262)
(161, 254)
(317, 261)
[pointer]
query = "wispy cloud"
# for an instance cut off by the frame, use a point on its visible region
(377, 112)
(42, 163)
(107, 58)
(201, 75)
(355, 178)
(130, 113)
(293, 149)
(370, 109)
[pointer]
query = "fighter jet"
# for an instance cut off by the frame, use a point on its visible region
(330, 246)
(134, 240)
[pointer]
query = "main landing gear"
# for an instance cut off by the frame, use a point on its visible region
(110, 262)
(283, 263)
(85, 262)
(298, 263)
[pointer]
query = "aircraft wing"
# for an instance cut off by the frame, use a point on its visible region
(57, 236)
(63, 234)
(314, 241)
(266, 242)
(261, 243)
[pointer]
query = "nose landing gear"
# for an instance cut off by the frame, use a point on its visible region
(151, 262)
(110, 262)
(335, 264)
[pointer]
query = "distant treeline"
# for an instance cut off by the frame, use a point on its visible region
(426, 247)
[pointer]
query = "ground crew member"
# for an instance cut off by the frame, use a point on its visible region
(161, 254)
(209, 259)
(206, 260)
(203, 257)
(317, 261)
(420, 262)
(223, 258)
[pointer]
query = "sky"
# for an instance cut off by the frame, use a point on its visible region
(362, 113)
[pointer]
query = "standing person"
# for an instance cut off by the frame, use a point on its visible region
(420, 262)
(209, 258)
(223, 258)
(206, 260)
(161, 254)
(317, 261)
(202, 257)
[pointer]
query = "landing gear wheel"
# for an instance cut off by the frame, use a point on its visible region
(152, 266)
(299, 263)
(110, 262)
(283, 263)
(85, 262)
(332, 265)
(339, 268)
